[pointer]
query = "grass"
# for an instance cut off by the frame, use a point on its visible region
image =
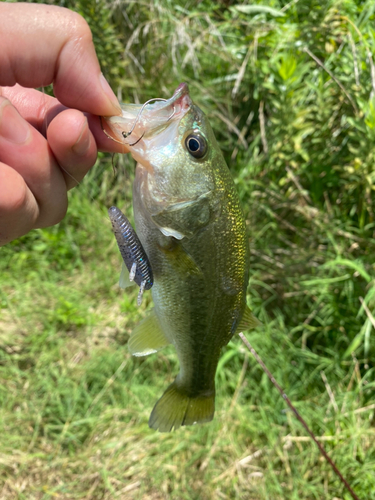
(75, 404)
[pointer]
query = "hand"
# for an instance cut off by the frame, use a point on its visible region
(47, 144)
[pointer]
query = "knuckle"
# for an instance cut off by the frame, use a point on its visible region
(17, 199)
(79, 27)
(52, 214)
(58, 214)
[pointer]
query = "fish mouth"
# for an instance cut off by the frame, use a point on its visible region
(142, 121)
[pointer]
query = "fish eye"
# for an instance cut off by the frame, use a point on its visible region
(196, 145)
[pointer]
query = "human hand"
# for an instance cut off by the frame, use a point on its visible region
(47, 144)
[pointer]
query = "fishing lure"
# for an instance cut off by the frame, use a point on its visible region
(132, 252)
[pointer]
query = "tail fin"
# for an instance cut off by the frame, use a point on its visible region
(175, 408)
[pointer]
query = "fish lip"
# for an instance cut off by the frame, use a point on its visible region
(110, 133)
(181, 91)
(153, 118)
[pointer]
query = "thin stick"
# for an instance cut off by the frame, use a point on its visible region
(367, 311)
(288, 402)
(262, 123)
(318, 61)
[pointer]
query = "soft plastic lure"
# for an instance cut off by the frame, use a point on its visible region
(132, 252)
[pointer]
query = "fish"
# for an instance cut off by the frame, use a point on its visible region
(192, 229)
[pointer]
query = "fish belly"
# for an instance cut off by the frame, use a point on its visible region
(198, 309)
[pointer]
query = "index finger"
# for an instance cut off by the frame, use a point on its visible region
(44, 44)
(40, 109)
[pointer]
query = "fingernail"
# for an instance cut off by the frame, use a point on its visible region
(109, 93)
(13, 127)
(82, 144)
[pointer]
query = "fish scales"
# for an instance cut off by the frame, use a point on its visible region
(190, 223)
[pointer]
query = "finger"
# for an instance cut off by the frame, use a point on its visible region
(103, 142)
(40, 109)
(44, 44)
(24, 149)
(73, 145)
(18, 208)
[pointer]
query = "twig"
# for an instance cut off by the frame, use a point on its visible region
(318, 61)
(302, 191)
(262, 123)
(288, 402)
(368, 52)
(232, 127)
(367, 311)
(359, 410)
(330, 393)
(302, 439)
(244, 130)
(241, 73)
(355, 62)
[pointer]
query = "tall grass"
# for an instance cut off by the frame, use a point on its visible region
(289, 89)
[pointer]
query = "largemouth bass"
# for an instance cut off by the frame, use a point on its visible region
(191, 227)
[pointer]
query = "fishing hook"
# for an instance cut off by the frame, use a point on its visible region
(125, 135)
(171, 116)
(106, 133)
(136, 142)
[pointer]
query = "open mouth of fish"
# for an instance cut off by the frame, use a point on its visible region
(145, 121)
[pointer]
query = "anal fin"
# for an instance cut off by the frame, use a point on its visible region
(248, 321)
(147, 337)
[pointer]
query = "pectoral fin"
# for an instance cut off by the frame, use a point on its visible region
(147, 337)
(248, 321)
(124, 281)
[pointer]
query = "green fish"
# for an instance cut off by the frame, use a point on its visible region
(190, 225)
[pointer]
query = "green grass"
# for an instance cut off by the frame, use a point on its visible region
(75, 404)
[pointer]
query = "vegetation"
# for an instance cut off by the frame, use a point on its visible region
(290, 90)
